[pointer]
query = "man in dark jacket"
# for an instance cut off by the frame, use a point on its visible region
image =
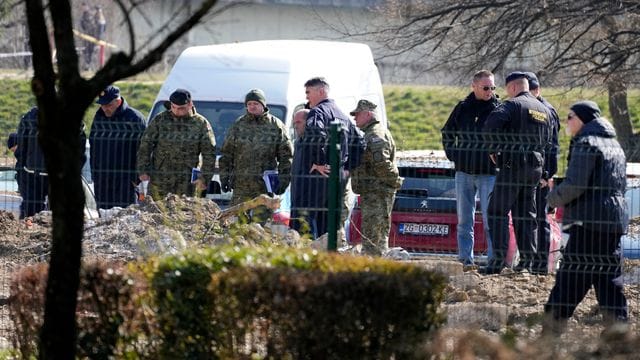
(310, 171)
(475, 173)
(34, 182)
(517, 134)
(114, 138)
(595, 216)
(550, 168)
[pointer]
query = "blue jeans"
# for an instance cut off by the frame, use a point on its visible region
(467, 187)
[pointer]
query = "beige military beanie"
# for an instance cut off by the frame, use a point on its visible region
(256, 95)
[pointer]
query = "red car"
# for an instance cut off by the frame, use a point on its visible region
(424, 217)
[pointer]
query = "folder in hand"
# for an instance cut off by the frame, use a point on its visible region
(271, 181)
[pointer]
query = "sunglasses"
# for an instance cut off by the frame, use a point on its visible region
(487, 88)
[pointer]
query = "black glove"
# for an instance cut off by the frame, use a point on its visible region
(282, 187)
(226, 185)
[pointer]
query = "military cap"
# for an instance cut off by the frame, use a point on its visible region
(107, 95)
(256, 95)
(533, 80)
(364, 105)
(180, 97)
(515, 75)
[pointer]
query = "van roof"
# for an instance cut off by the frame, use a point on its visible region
(233, 69)
(272, 55)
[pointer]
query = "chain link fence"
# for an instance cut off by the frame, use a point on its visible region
(424, 223)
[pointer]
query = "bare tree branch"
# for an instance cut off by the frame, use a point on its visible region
(572, 42)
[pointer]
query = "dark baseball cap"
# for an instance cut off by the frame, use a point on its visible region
(180, 97)
(12, 140)
(533, 80)
(108, 95)
(515, 75)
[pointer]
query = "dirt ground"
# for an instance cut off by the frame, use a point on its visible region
(482, 310)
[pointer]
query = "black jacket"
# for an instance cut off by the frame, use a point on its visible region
(592, 192)
(114, 146)
(551, 153)
(115, 140)
(309, 190)
(461, 136)
(520, 130)
(28, 152)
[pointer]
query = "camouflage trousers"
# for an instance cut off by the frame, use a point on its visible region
(178, 184)
(376, 221)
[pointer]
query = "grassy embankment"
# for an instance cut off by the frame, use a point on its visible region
(416, 113)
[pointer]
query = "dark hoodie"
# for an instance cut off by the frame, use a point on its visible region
(461, 136)
(592, 192)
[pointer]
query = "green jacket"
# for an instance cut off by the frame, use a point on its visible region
(170, 147)
(378, 170)
(252, 145)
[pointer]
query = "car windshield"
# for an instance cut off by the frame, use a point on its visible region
(221, 115)
(428, 182)
(8, 181)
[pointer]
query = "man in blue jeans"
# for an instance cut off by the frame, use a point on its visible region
(475, 173)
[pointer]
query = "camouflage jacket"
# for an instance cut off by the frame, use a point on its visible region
(378, 170)
(171, 146)
(252, 145)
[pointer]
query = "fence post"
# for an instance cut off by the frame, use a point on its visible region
(334, 186)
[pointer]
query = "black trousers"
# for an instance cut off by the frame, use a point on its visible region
(590, 259)
(34, 190)
(514, 191)
(544, 230)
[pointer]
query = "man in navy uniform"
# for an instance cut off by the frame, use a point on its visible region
(517, 134)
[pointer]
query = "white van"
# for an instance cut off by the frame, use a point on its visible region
(219, 77)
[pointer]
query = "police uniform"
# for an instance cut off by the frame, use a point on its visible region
(376, 180)
(517, 132)
(34, 182)
(549, 170)
(170, 148)
(252, 145)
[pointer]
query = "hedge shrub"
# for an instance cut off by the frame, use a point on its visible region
(278, 303)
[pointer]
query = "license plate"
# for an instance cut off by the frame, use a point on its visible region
(423, 229)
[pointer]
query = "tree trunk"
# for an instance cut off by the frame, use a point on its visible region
(63, 97)
(64, 163)
(620, 118)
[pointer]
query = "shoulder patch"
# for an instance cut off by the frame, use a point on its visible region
(538, 115)
(378, 156)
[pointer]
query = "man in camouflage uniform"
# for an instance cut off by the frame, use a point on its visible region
(255, 143)
(171, 147)
(376, 179)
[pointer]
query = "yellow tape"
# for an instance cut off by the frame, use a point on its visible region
(90, 38)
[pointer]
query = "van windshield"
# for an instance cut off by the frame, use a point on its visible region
(221, 115)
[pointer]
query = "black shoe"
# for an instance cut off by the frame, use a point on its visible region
(489, 270)
(539, 271)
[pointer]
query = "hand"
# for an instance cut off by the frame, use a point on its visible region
(144, 177)
(543, 183)
(225, 185)
(200, 185)
(323, 170)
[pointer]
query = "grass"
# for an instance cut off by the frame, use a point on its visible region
(416, 113)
